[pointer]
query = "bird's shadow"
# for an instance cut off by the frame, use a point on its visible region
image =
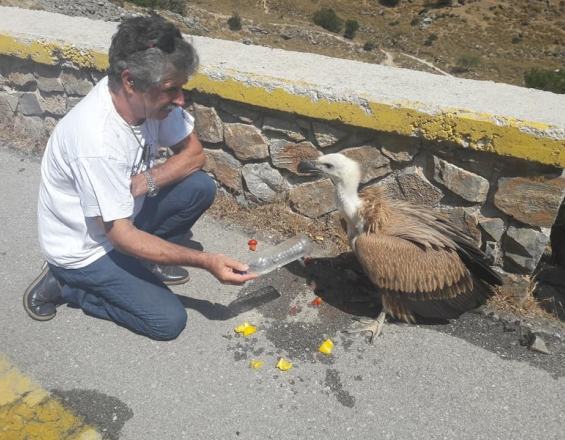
(341, 282)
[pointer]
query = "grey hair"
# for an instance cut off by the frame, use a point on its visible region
(149, 66)
(148, 47)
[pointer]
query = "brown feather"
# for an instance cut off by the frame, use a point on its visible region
(421, 263)
(400, 265)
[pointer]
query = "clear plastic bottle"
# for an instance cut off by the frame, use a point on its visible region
(292, 249)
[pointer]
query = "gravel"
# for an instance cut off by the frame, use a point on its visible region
(107, 11)
(94, 9)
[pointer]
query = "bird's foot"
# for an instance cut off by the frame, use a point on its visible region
(374, 326)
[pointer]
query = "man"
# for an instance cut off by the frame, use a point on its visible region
(110, 220)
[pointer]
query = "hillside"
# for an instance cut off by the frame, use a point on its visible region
(480, 39)
(494, 40)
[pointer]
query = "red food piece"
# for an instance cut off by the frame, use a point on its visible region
(316, 301)
(252, 244)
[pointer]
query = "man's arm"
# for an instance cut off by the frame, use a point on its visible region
(128, 239)
(188, 158)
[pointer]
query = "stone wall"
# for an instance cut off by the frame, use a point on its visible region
(507, 205)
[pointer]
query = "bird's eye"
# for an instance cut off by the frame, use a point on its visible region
(329, 166)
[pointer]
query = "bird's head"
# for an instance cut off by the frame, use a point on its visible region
(338, 167)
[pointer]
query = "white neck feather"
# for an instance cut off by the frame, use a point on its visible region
(348, 202)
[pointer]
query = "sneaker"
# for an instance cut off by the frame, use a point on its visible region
(43, 295)
(169, 275)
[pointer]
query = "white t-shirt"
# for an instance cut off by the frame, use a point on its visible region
(86, 172)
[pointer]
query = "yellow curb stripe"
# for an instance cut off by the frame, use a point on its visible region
(505, 136)
(478, 131)
(53, 53)
(28, 412)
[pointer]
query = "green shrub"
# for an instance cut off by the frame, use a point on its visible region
(545, 79)
(144, 3)
(466, 62)
(369, 46)
(351, 28)
(438, 3)
(390, 3)
(430, 40)
(170, 5)
(176, 6)
(328, 19)
(234, 22)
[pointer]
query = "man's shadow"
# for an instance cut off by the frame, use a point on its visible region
(249, 298)
(210, 310)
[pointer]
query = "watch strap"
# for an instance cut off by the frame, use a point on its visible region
(152, 188)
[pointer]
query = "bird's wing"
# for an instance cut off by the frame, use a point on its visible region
(413, 271)
(421, 263)
(424, 227)
(427, 228)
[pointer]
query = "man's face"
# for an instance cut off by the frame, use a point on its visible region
(160, 100)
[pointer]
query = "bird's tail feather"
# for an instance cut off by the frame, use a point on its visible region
(471, 255)
(450, 308)
(475, 260)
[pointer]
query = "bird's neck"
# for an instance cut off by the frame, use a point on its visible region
(348, 201)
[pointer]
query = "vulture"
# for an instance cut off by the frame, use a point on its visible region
(421, 264)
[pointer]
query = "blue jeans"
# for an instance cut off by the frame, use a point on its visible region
(120, 288)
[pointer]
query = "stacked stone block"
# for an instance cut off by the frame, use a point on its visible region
(33, 97)
(508, 206)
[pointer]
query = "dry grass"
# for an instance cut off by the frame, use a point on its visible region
(278, 219)
(529, 308)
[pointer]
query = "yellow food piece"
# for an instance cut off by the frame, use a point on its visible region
(284, 365)
(245, 329)
(255, 364)
(326, 347)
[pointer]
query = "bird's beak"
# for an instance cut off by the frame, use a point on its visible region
(308, 167)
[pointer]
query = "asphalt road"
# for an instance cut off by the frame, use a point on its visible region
(470, 379)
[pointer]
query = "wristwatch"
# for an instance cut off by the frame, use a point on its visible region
(152, 188)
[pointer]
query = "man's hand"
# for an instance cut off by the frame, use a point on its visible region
(227, 270)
